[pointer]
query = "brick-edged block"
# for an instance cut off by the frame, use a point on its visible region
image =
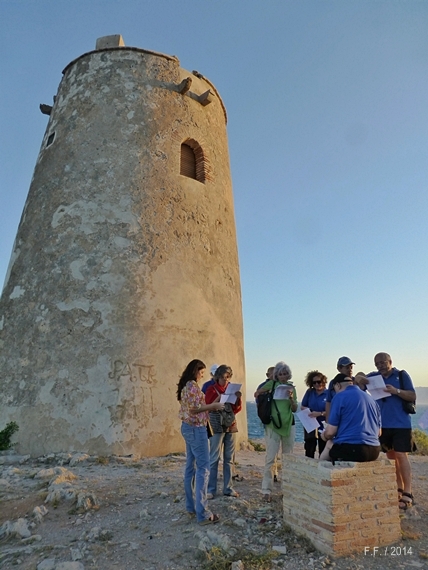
(341, 508)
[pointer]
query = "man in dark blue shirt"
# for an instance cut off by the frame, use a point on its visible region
(396, 438)
(353, 430)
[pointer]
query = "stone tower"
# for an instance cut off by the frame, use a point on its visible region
(125, 264)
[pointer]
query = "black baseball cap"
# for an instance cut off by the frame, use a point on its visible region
(340, 378)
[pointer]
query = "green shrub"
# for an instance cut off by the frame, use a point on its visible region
(218, 559)
(6, 434)
(257, 446)
(421, 439)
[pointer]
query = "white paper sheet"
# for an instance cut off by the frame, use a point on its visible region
(229, 395)
(308, 423)
(282, 392)
(376, 387)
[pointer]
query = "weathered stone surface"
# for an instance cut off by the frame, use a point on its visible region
(39, 513)
(69, 566)
(18, 528)
(78, 458)
(13, 458)
(56, 474)
(47, 564)
(123, 269)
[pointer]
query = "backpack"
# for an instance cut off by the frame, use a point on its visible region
(227, 417)
(408, 407)
(264, 408)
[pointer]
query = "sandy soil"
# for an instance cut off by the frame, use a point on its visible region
(141, 523)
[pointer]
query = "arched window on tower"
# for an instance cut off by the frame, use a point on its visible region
(193, 163)
(188, 161)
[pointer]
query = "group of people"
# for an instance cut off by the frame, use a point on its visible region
(207, 431)
(352, 425)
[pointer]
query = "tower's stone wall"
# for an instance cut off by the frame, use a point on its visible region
(123, 270)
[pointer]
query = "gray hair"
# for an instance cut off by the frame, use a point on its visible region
(223, 369)
(279, 367)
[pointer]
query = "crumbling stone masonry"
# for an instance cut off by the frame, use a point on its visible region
(125, 265)
(342, 509)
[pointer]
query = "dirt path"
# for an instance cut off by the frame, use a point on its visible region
(141, 523)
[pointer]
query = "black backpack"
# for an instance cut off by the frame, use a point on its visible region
(264, 408)
(408, 407)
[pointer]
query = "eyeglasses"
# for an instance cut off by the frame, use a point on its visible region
(318, 382)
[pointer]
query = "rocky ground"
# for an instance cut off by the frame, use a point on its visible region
(75, 512)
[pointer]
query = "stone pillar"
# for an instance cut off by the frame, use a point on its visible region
(125, 265)
(341, 509)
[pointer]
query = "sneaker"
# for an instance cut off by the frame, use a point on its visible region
(232, 494)
(210, 496)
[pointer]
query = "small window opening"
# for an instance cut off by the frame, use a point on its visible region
(188, 161)
(50, 140)
(193, 162)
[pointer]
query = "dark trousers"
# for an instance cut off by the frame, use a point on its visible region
(354, 452)
(311, 441)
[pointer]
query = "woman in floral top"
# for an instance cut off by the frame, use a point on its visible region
(194, 417)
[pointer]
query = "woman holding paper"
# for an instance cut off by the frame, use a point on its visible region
(223, 435)
(194, 416)
(281, 430)
(315, 398)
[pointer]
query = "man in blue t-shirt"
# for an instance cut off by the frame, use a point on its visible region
(396, 439)
(352, 433)
(344, 366)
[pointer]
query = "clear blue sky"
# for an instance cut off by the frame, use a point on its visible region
(328, 126)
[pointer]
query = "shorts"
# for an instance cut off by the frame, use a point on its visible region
(396, 439)
(354, 452)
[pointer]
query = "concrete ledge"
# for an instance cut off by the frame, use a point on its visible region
(342, 508)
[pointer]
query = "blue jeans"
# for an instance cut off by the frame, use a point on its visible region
(227, 440)
(197, 470)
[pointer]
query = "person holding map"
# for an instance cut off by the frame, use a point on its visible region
(396, 438)
(281, 430)
(224, 431)
(315, 398)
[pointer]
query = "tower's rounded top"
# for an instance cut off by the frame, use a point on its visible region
(115, 43)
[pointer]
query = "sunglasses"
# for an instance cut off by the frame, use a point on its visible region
(318, 382)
